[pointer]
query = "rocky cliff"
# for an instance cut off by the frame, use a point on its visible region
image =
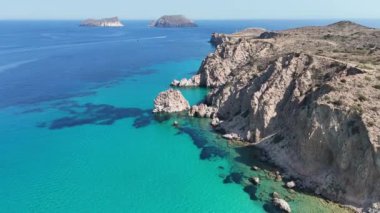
(173, 21)
(308, 96)
(106, 22)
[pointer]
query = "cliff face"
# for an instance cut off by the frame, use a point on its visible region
(310, 97)
(106, 22)
(173, 21)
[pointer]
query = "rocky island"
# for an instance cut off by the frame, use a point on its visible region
(309, 97)
(168, 21)
(106, 22)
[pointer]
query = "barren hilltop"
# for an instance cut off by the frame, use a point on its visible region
(169, 21)
(309, 97)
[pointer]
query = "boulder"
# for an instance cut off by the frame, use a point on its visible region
(255, 180)
(255, 168)
(170, 101)
(281, 204)
(275, 195)
(231, 136)
(291, 184)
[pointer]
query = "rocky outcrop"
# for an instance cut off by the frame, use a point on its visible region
(219, 38)
(170, 101)
(168, 21)
(281, 204)
(192, 82)
(290, 184)
(106, 22)
(310, 97)
(202, 111)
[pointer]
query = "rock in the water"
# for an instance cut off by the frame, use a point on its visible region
(231, 136)
(282, 204)
(275, 195)
(278, 177)
(215, 122)
(106, 22)
(255, 168)
(202, 111)
(192, 82)
(291, 184)
(173, 21)
(170, 101)
(255, 180)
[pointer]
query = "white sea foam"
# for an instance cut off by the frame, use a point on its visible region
(15, 64)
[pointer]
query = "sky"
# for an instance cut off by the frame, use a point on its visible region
(194, 9)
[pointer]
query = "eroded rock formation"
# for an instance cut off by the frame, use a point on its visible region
(310, 97)
(170, 101)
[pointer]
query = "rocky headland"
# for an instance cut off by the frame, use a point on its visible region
(106, 22)
(309, 97)
(169, 21)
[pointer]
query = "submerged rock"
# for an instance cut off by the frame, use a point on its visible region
(275, 195)
(255, 168)
(291, 184)
(173, 21)
(170, 101)
(281, 204)
(231, 136)
(106, 22)
(255, 180)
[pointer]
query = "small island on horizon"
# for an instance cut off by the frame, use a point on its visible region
(173, 21)
(105, 22)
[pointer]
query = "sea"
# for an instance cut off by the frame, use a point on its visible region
(77, 133)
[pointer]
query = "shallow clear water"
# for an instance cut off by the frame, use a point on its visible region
(77, 135)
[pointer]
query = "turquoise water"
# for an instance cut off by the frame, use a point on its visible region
(77, 133)
(112, 168)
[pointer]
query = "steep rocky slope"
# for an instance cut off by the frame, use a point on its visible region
(310, 97)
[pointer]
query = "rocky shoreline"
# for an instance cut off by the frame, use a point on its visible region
(309, 97)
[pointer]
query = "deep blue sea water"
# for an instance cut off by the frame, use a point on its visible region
(77, 133)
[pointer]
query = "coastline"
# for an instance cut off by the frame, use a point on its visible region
(250, 68)
(242, 158)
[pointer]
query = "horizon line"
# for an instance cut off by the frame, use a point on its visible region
(200, 19)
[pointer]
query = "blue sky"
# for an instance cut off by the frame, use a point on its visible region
(195, 9)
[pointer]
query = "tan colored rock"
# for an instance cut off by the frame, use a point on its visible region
(170, 101)
(310, 98)
(281, 204)
(290, 184)
(202, 111)
(255, 180)
(192, 82)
